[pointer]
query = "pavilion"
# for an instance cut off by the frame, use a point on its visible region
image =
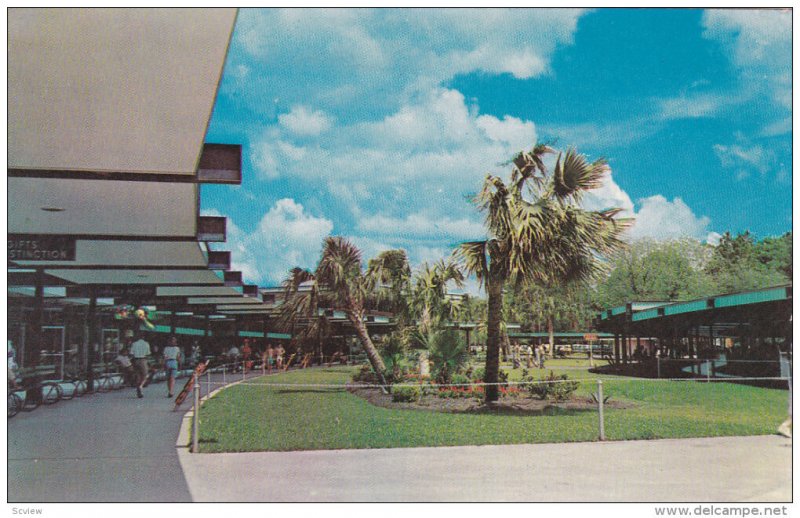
(745, 324)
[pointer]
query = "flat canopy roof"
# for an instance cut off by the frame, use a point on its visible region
(757, 306)
(129, 254)
(115, 90)
(102, 207)
(139, 277)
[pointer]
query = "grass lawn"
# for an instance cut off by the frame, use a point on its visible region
(260, 417)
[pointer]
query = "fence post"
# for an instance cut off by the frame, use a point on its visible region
(244, 375)
(709, 368)
(658, 366)
(208, 383)
(600, 409)
(224, 369)
(196, 416)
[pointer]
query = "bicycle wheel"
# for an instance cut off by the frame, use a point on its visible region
(102, 384)
(14, 404)
(32, 401)
(80, 387)
(51, 393)
(67, 390)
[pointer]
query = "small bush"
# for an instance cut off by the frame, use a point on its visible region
(459, 379)
(365, 375)
(502, 378)
(406, 394)
(478, 374)
(554, 387)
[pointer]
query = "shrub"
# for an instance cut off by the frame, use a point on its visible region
(365, 375)
(448, 354)
(478, 374)
(554, 387)
(460, 379)
(502, 378)
(406, 394)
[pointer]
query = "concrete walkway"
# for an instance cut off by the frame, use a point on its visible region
(115, 447)
(728, 469)
(111, 447)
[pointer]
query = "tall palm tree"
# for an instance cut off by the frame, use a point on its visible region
(339, 270)
(537, 232)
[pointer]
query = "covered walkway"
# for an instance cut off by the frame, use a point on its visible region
(110, 447)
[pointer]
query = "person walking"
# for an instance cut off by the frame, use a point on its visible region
(279, 356)
(172, 357)
(529, 356)
(269, 359)
(246, 352)
(140, 350)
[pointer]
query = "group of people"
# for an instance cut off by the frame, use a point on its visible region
(271, 357)
(517, 352)
(134, 363)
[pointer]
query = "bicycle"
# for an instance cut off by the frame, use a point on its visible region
(14, 403)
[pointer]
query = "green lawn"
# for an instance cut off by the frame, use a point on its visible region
(268, 418)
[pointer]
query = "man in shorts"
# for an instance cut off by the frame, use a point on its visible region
(172, 355)
(140, 350)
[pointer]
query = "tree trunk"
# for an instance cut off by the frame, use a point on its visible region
(551, 335)
(494, 288)
(366, 343)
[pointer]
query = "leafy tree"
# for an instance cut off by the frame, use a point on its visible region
(656, 271)
(776, 254)
(739, 263)
(537, 232)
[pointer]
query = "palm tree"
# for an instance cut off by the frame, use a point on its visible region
(428, 298)
(301, 308)
(339, 271)
(388, 278)
(538, 233)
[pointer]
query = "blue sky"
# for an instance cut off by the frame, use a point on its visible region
(377, 124)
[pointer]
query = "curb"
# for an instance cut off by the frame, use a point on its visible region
(182, 445)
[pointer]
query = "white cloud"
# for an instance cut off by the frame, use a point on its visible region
(609, 195)
(759, 44)
(422, 226)
(659, 218)
(372, 167)
(692, 106)
(316, 53)
(302, 120)
(743, 159)
(287, 236)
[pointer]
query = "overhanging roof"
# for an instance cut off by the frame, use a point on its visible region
(127, 90)
(139, 277)
(97, 208)
(130, 254)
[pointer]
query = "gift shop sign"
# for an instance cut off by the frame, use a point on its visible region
(31, 247)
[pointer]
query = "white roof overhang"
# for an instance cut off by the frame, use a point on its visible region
(113, 90)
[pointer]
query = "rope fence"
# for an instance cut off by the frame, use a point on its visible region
(598, 398)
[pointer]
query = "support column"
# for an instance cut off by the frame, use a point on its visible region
(616, 347)
(625, 346)
(33, 335)
(91, 339)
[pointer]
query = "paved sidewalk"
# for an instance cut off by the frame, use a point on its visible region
(110, 447)
(726, 469)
